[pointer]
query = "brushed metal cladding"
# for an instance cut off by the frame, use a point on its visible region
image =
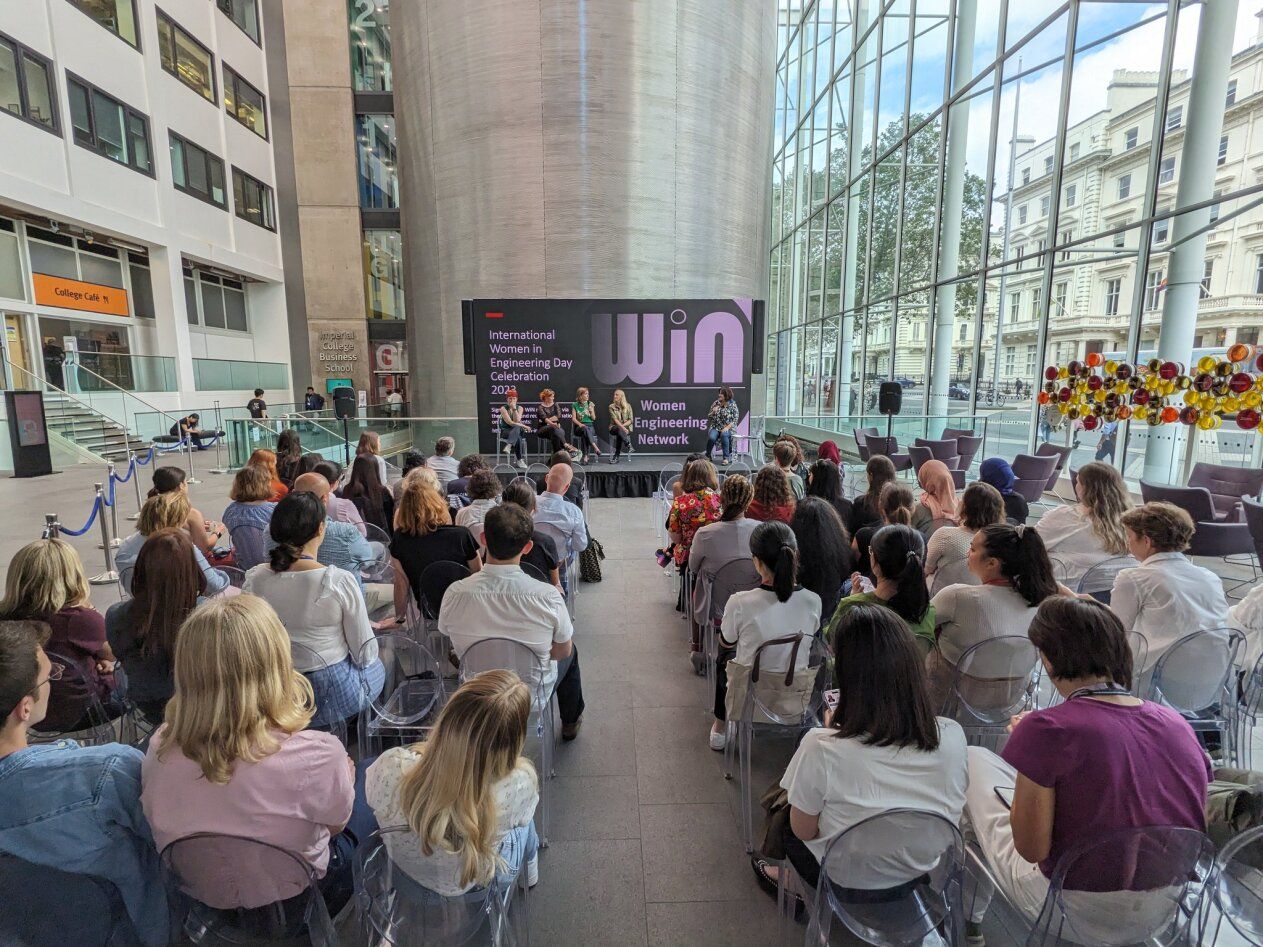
(573, 148)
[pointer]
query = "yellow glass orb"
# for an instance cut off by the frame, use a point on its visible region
(1152, 382)
(1064, 372)
(1121, 388)
(1140, 413)
(1231, 405)
(1063, 407)
(1206, 363)
(1191, 398)
(1111, 367)
(1206, 422)
(1167, 387)
(1252, 399)
(1099, 396)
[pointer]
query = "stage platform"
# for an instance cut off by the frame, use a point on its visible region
(634, 477)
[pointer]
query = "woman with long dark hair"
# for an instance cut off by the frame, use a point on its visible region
(882, 748)
(824, 480)
(167, 584)
(289, 457)
(896, 507)
(825, 559)
(865, 511)
(897, 559)
(779, 607)
(369, 494)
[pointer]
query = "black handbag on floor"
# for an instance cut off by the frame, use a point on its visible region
(590, 561)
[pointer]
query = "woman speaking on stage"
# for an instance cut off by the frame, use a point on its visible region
(720, 422)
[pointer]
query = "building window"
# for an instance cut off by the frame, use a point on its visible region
(1223, 151)
(1166, 170)
(1037, 302)
(117, 16)
(141, 285)
(383, 274)
(1074, 152)
(1248, 336)
(1019, 251)
(1048, 164)
(1124, 187)
(26, 84)
(1208, 273)
(1214, 208)
(1010, 359)
(963, 334)
(252, 199)
(1153, 289)
(103, 124)
(1113, 289)
(1232, 94)
(245, 103)
(1175, 117)
(1026, 176)
(379, 176)
(1130, 137)
(1072, 192)
(245, 13)
(1161, 230)
(197, 172)
(1066, 237)
(370, 45)
(1015, 306)
(1060, 292)
(1021, 214)
(185, 58)
(1258, 272)
(214, 301)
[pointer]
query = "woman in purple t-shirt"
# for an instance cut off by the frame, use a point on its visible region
(1071, 770)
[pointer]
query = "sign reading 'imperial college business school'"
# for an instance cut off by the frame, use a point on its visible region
(669, 356)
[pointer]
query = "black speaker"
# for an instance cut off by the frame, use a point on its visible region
(344, 402)
(756, 349)
(467, 333)
(890, 397)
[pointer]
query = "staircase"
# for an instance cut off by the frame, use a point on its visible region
(92, 431)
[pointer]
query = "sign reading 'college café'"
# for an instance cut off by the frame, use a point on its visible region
(75, 294)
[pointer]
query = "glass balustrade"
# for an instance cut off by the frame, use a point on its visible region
(220, 374)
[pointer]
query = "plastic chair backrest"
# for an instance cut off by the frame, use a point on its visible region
(1139, 645)
(434, 581)
(308, 663)
(1129, 886)
(535, 572)
(522, 478)
(72, 698)
(395, 909)
(561, 542)
(736, 576)
(414, 684)
(669, 473)
(1098, 580)
(250, 546)
(580, 478)
(125, 581)
(490, 654)
(236, 577)
(246, 884)
(375, 534)
(1191, 675)
(915, 859)
(1237, 890)
(789, 651)
(997, 677)
(84, 908)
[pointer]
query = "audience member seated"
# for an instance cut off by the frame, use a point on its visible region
(321, 607)
(882, 748)
(443, 464)
(251, 496)
(310, 462)
(411, 461)
(267, 460)
(70, 807)
(1072, 769)
(938, 497)
(896, 508)
(424, 534)
(502, 601)
(340, 510)
(778, 608)
(344, 545)
(824, 480)
(574, 492)
(45, 583)
(166, 586)
(798, 463)
(997, 472)
(828, 450)
(1084, 534)
(458, 489)
(696, 506)
(370, 446)
(369, 494)
(1014, 576)
(784, 456)
(467, 792)
(543, 553)
(165, 511)
(422, 474)
(773, 498)
(896, 557)
(289, 457)
(484, 491)
(723, 541)
(825, 557)
(204, 533)
(947, 553)
(553, 510)
(1166, 597)
(1247, 617)
(235, 757)
(866, 509)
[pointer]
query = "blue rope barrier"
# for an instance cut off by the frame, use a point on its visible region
(178, 445)
(110, 501)
(206, 444)
(96, 508)
(131, 472)
(148, 458)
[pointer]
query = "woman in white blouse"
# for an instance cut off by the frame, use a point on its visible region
(1014, 575)
(484, 493)
(1085, 534)
(467, 792)
(947, 552)
(1166, 597)
(322, 609)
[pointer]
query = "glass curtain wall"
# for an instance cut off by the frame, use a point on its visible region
(965, 191)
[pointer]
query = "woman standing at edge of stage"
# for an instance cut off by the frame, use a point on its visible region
(720, 421)
(512, 428)
(621, 421)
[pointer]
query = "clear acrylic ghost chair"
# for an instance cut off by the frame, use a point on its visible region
(1192, 678)
(1236, 891)
(395, 911)
(404, 710)
(994, 680)
(739, 575)
(1098, 581)
(314, 668)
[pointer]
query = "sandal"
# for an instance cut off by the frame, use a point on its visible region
(770, 887)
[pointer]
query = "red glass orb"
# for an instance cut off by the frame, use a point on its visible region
(1140, 396)
(1169, 414)
(1044, 397)
(1089, 422)
(1248, 419)
(1095, 382)
(1124, 371)
(1240, 382)
(1204, 382)
(1063, 395)
(1124, 412)
(1094, 359)
(1073, 367)
(1051, 372)
(1189, 415)
(1168, 370)
(1238, 352)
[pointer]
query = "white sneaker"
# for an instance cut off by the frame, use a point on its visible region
(520, 464)
(718, 740)
(508, 448)
(532, 872)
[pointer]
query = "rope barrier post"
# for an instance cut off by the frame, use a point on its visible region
(109, 576)
(219, 467)
(109, 478)
(131, 456)
(52, 529)
(189, 448)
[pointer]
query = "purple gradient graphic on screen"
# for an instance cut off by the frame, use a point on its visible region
(635, 353)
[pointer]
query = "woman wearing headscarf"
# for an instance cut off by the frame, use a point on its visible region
(938, 494)
(828, 450)
(997, 472)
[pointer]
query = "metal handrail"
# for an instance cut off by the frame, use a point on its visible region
(80, 367)
(61, 391)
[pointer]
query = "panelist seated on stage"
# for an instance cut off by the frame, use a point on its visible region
(548, 423)
(721, 422)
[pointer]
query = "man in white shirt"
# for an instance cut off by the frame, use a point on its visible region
(502, 601)
(444, 463)
(552, 510)
(1166, 597)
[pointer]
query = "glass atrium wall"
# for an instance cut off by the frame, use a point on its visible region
(965, 191)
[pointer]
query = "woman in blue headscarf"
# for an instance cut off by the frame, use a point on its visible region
(997, 472)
